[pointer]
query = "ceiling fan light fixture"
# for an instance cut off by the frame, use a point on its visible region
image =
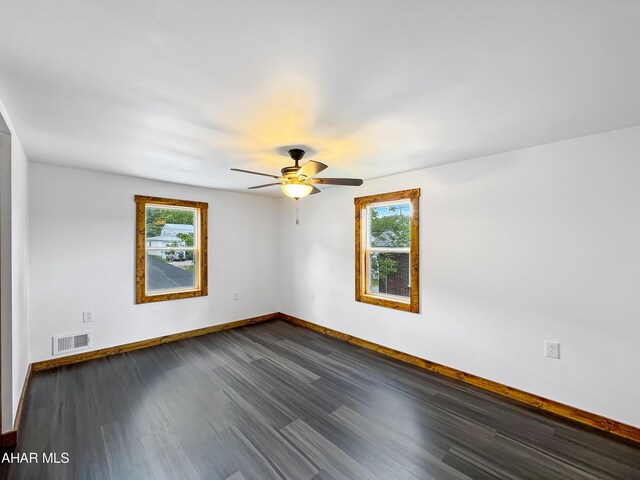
(298, 181)
(296, 190)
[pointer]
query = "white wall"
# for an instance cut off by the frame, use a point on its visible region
(535, 244)
(82, 258)
(14, 267)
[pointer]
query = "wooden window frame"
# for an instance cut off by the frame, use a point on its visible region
(361, 204)
(201, 288)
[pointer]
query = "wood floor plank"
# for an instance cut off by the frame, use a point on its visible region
(167, 458)
(281, 455)
(276, 401)
(237, 476)
(325, 454)
(125, 454)
(409, 455)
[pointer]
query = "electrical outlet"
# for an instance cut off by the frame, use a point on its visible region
(87, 316)
(236, 295)
(551, 349)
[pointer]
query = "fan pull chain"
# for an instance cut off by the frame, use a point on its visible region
(297, 215)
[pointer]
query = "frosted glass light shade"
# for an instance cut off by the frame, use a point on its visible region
(296, 190)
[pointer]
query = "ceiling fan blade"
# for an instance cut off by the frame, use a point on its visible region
(265, 185)
(354, 182)
(315, 190)
(254, 173)
(311, 168)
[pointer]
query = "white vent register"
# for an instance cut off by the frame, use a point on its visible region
(71, 342)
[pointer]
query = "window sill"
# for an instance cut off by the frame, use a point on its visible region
(389, 302)
(163, 297)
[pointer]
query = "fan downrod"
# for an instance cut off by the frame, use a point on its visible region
(296, 155)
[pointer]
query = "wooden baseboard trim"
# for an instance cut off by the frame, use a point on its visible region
(128, 347)
(9, 439)
(577, 415)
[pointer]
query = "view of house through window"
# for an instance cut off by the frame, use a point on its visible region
(387, 249)
(388, 252)
(171, 250)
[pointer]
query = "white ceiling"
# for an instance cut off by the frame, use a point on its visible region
(183, 91)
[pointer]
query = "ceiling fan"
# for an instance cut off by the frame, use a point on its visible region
(298, 181)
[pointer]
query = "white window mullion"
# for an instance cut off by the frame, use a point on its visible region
(188, 249)
(389, 250)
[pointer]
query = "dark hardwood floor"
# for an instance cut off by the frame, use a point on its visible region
(273, 401)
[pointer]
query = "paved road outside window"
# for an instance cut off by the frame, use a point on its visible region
(161, 275)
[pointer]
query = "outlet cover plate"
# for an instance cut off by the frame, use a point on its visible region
(552, 349)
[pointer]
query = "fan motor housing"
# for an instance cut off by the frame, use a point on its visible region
(296, 155)
(290, 171)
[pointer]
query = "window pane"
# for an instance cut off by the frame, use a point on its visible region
(389, 273)
(171, 270)
(391, 226)
(170, 227)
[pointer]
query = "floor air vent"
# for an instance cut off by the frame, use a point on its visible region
(71, 343)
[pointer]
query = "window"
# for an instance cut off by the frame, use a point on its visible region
(171, 249)
(387, 246)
